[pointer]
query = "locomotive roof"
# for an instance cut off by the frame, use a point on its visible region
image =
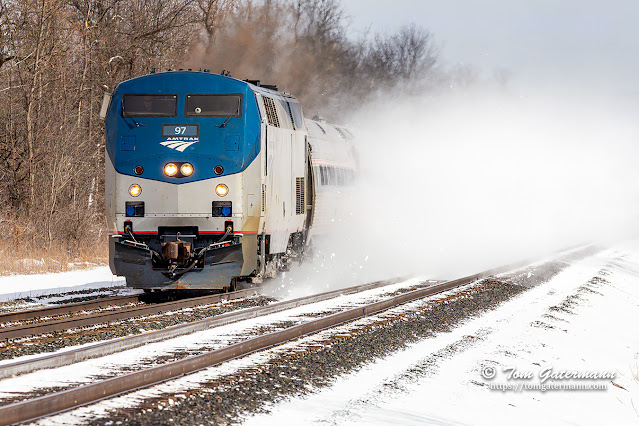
(320, 129)
(205, 75)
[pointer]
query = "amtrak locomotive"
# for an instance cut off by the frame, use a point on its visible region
(212, 180)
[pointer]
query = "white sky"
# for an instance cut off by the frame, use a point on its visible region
(537, 40)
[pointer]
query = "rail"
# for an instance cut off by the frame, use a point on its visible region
(64, 400)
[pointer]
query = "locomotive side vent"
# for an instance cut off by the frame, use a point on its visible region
(299, 195)
(271, 112)
(263, 197)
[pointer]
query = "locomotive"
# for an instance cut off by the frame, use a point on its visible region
(212, 181)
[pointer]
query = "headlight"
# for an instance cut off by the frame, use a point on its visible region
(135, 190)
(221, 190)
(186, 169)
(170, 169)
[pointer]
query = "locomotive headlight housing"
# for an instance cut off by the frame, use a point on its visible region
(170, 169)
(186, 169)
(221, 190)
(135, 190)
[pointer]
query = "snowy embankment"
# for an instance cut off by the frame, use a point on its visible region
(24, 286)
(582, 321)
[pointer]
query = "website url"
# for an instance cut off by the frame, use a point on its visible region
(543, 387)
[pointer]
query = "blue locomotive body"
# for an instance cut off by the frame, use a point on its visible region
(141, 138)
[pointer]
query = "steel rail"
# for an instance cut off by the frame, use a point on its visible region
(123, 314)
(69, 308)
(130, 342)
(64, 400)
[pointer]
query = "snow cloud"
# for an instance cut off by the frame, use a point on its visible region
(456, 183)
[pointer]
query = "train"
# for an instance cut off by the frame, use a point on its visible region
(212, 181)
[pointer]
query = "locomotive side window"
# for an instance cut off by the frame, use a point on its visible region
(221, 105)
(323, 177)
(329, 175)
(259, 111)
(296, 114)
(332, 176)
(149, 105)
(290, 116)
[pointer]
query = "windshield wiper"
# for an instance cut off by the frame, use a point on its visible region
(133, 119)
(236, 113)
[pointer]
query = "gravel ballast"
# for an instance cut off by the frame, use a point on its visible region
(228, 399)
(58, 340)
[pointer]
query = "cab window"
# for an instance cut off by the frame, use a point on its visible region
(136, 105)
(219, 105)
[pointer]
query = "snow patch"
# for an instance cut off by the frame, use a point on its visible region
(22, 286)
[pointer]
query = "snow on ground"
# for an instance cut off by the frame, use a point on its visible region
(217, 337)
(86, 371)
(440, 381)
(21, 286)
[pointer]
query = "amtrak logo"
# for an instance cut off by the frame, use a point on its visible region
(179, 144)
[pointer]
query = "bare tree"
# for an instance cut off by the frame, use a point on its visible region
(56, 57)
(213, 14)
(319, 22)
(406, 55)
(5, 56)
(51, 139)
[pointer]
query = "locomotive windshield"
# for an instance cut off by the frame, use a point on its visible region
(149, 105)
(226, 105)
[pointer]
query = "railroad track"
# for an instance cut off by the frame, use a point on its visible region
(106, 348)
(67, 309)
(89, 305)
(95, 318)
(86, 394)
(67, 399)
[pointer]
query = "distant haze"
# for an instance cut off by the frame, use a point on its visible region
(541, 41)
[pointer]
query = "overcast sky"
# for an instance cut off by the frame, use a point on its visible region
(563, 41)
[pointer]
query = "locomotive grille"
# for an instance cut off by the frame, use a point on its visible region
(263, 197)
(271, 112)
(299, 195)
